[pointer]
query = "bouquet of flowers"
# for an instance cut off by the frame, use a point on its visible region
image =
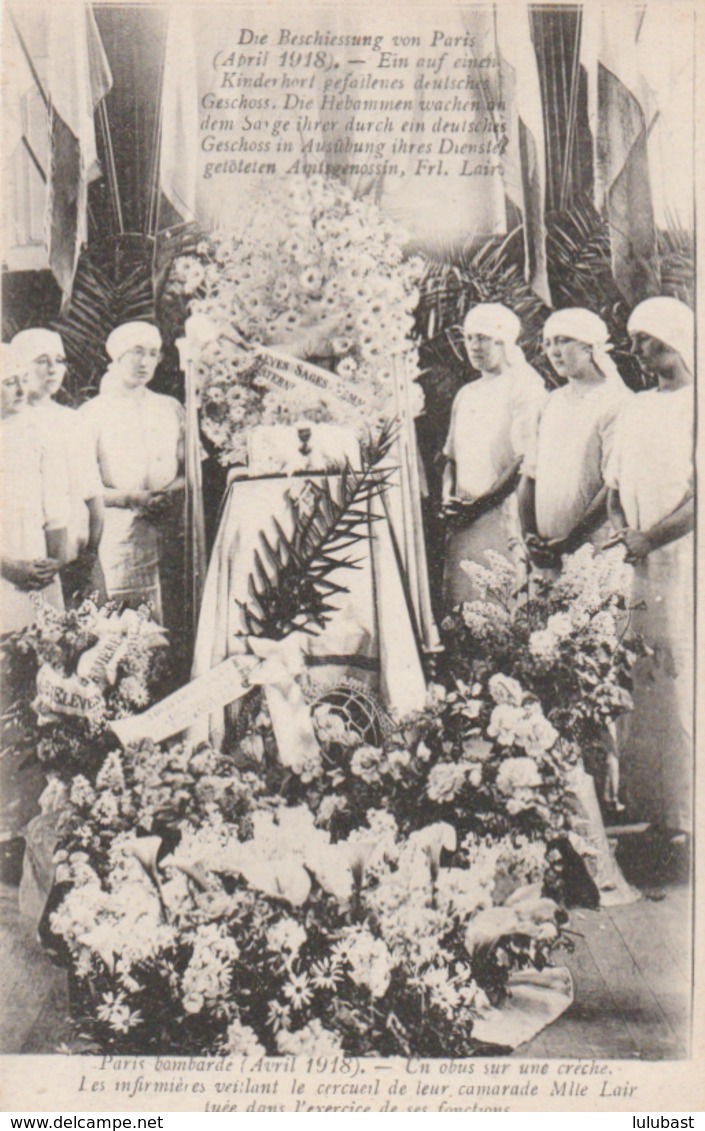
(75, 672)
(481, 757)
(565, 643)
(203, 916)
(314, 273)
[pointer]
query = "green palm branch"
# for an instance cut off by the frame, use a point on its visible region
(292, 586)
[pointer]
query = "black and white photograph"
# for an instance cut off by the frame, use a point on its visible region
(348, 556)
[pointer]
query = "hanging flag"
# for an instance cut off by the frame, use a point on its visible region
(666, 46)
(78, 78)
(618, 117)
(25, 148)
(525, 155)
(178, 160)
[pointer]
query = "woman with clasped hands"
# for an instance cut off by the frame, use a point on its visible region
(492, 422)
(652, 507)
(562, 494)
(138, 438)
(35, 504)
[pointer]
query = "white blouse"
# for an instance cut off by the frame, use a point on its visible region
(137, 439)
(571, 452)
(492, 423)
(652, 459)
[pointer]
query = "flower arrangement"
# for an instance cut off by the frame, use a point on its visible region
(75, 672)
(480, 756)
(204, 916)
(314, 273)
(565, 642)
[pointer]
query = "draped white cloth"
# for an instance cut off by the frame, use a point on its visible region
(370, 637)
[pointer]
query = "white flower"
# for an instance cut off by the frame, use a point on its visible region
(534, 733)
(370, 963)
(398, 761)
(504, 722)
(82, 793)
(366, 763)
(442, 992)
(330, 805)
(436, 695)
(504, 689)
(242, 1040)
(347, 367)
(604, 628)
(193, 1002)
(544, 644)
(278, 1015)
(517, 774)
(111, 776)
(286, 936)
(580, 617)
(560, 624)
(117, 1014)
(326, 975)
(445, 780)
(298, 990)
(312, 1040)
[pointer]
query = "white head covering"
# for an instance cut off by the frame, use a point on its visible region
(31, 344)
(122, 339)
(669, 321)
(497, 322)
(583, 326)
(129, 335)
(494, 320)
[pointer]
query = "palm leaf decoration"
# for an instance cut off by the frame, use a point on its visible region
(116, 282)
(677, 257)
(110, 287)
(291, 586)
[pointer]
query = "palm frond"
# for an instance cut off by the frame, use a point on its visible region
(296, 588)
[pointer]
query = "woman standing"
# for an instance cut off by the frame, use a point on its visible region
(562, 494)
(35, 504)
(563, 504)
(137, 437)
(652, 506)
(42, 354)
(492, 422)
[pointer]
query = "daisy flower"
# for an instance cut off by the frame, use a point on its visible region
(298, 990)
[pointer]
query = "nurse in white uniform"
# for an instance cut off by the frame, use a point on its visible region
(42, 352)
(493, 420)
(563, 495)
(652, 504)
(138, 440)
(35, 503)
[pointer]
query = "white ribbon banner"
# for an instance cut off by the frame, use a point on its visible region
(210, 692)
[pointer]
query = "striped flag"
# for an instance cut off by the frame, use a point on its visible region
(525, 156)
(620, 126)
(78, 78)
(178, 159)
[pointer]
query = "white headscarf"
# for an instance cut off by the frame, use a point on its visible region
(583, 326)
(129, 335)
(669, 321)
(31, 344)
(123, 339)
(499, 323)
